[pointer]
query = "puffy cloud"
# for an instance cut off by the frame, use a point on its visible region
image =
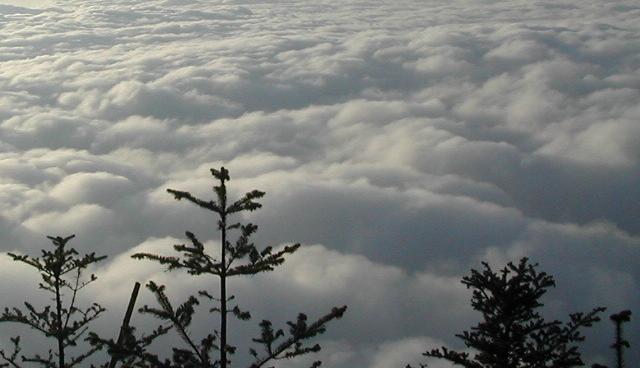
(97, 187)
(409, 140)
(403, 352)
(312, 281)
(88, 219)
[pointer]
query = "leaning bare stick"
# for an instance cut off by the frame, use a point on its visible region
(125, 321)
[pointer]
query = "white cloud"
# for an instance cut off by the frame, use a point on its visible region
(403, 352)
(410, 140)
(100, 188)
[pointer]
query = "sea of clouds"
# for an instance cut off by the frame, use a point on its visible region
(402, 143)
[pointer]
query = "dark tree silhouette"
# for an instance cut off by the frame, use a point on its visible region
(237, 258)
(64, 322)
(620, 343)
(512, 334)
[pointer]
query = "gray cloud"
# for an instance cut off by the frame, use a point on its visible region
(408, 141)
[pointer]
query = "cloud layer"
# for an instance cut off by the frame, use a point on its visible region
(401, 143)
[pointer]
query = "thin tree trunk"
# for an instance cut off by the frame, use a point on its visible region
(59, 332)
(223, 317)
(618, 344)
(223, 286)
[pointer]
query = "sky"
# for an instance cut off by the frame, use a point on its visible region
(402, 143)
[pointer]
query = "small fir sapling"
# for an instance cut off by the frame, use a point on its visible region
(63, 321)
(620, 343)
(236, 258)
(512, 334)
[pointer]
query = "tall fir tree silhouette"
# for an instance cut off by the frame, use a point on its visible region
(236, 258)
(64, 322)
(512, 334)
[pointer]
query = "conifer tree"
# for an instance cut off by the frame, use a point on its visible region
(239, 257)
(620, 343)
(512, 334)
(63, 322)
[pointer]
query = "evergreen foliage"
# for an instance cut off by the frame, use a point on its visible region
(236, 258)
(64, 322)
(512, 333)
(620, 343)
